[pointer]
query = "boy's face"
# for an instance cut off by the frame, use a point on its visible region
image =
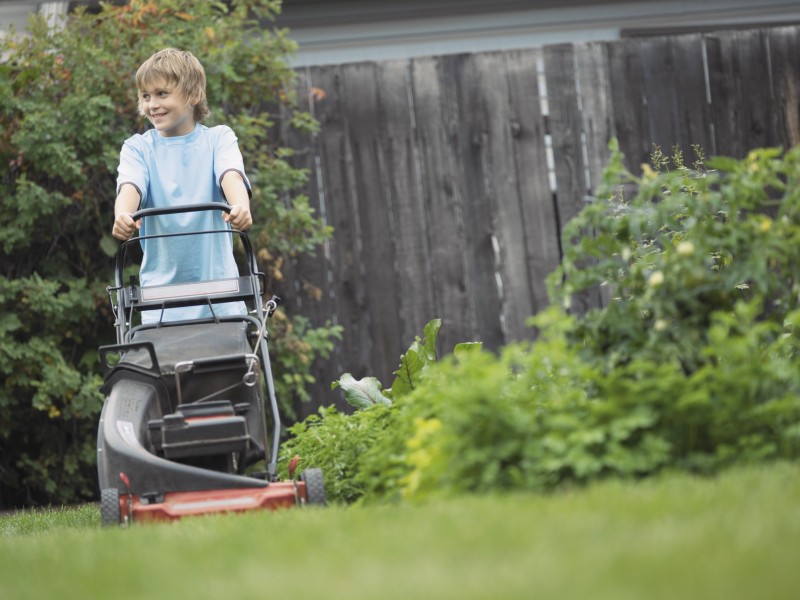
(167, 109)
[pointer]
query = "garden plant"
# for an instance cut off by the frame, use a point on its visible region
(690, 364)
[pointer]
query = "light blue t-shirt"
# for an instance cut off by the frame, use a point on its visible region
(174, 171)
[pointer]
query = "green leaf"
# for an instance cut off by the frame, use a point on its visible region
(431, 331)
(722, 163)
(465, 348)
(361, 393)
(9, 322)
(414, 361)
(109, 245)
(407, 375)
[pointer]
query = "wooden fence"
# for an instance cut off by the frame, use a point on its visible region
(448, 179)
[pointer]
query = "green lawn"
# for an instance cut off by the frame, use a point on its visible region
(734, 536)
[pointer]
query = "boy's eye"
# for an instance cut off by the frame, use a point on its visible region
(161, 94)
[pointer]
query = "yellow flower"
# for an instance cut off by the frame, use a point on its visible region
(421, 454)
(424, 428)
(765, 225)
(660, 324)
(685, 248)
(647, 173)
(656, 278)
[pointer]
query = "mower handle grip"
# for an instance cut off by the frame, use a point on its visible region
(169, 210)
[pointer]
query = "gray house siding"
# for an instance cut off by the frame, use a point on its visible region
(343, 31)
(337, 32)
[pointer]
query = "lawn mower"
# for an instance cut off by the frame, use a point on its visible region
(183, 430)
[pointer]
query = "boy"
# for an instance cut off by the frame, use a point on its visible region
(179, 162)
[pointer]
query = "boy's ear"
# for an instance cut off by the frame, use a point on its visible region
(194, 101)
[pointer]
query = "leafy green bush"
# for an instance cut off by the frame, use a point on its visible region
(67, 102)
(692, 364)
(336, 442)
(688, 244)
(704, 285)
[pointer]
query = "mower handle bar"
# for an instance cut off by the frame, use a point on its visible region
(169, 210)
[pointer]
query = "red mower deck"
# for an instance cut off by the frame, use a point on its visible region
(284, 494)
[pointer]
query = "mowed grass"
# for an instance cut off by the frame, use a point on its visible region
(733, 536)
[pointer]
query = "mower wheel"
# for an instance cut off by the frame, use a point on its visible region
(110, 515)
(315, 486)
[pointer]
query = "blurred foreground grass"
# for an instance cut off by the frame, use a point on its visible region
(732, 536)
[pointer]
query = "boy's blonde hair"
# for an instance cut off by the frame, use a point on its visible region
(181, 69)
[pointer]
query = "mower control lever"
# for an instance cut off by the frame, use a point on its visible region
(272, 304)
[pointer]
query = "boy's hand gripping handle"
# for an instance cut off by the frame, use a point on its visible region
(170, 210)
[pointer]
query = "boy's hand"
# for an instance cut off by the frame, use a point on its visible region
(124, 226)
(235, 192)
(127, 202)
(239, 217)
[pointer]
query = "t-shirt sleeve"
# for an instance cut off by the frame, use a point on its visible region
(132, 169)
(228, 157)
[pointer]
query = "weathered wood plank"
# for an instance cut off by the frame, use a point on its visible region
(470, 137)
(784, 47)
(693, 110)
(660, 93)
(403, 187)
(741, 105)
(307, 287)
(667, 77)
(565, 130)
(501, 187)
(628, 101)
(675, 90)
(529, 153)
(759, 108)
(597, 111)
(335, 163)
(435, 115)
(725, 89)
(593, 77)
(307, 281)
(371, 206)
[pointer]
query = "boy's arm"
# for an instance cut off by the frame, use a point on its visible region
(126, 203)
(236, 194)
